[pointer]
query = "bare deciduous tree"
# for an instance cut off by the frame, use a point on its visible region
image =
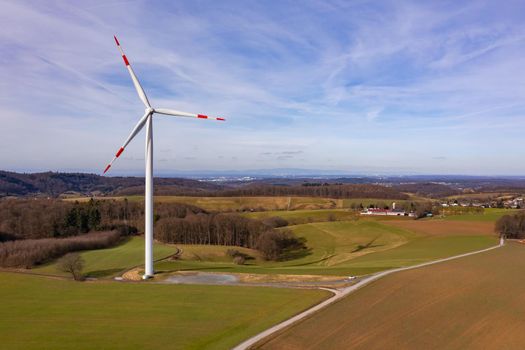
(72, 263)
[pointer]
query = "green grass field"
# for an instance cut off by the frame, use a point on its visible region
(111, 261)
(355, 247)
(489, 215)
(238, 203)
(296, 217)
(43, 313)
(262, 203)
(351, 248)
(476, 302)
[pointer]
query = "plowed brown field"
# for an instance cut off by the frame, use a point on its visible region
(446, 228)
(476, 302)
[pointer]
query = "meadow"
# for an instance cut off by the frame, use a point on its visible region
(354, 247)
(46, 313)
(111, 261)
(476, 302)
(258, 203)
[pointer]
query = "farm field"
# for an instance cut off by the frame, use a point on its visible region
(238, 203)
(111, 261)
(489, 215)
(61, 314)
(295, 217)
(278, 203)
(476, 302)
(356, 248)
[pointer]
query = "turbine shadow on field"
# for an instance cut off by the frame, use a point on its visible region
(104, 273)
(367, 245)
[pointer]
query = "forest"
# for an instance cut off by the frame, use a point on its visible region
(36, 230)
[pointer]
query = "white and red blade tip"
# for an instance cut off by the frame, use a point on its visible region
(202, 116)
(126, 62)
(119, 152)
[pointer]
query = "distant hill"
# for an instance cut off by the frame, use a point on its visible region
(54, 184)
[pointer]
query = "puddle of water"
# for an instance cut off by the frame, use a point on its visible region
(202, 278)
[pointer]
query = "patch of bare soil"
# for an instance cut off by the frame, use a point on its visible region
(133, 274)
(446, 228)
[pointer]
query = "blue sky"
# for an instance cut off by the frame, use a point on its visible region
(375, 87)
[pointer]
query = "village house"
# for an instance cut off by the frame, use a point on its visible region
(387, 212)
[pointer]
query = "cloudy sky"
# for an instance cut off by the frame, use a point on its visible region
(375, 87)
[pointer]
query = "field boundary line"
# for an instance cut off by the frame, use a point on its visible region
(339, 294)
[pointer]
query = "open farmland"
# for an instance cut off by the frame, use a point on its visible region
(352, 248)
(489, 215)
(476, 302)
(61, 314)
(238, 203)
(295, 217)
(259, 203)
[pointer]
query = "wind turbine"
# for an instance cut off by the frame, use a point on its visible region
(147, 119)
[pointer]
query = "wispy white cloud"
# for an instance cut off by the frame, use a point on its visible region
(348, 80)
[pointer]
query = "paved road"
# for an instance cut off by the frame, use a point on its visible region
(338, 294)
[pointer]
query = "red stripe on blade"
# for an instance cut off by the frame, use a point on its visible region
(202, 116)
(222, 119)
(125, 60)
(107, 168)
(119, 152)
(116, 40)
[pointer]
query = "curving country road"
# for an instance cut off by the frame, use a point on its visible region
(341, 293)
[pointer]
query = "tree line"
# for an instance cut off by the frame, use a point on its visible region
(327, 191)
(33, 219)
(47, 218)
(30, 252)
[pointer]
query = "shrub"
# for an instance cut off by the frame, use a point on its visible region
(275, 221)
(233, 252)
(239, 260)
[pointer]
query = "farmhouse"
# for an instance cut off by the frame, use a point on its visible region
(387, 212)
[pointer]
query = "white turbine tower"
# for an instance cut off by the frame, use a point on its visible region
(147, 120)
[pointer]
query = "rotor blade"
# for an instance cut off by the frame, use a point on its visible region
(138, 87)
(134, 132)
(185, 114)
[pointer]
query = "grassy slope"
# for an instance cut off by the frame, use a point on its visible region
(489, 215)
(477, 302)
(57, 314)
(333, 248)
(305, 216)
(107, 262)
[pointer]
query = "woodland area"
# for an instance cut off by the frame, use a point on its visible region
(325, 190)
(36, 230)
(56, 184)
